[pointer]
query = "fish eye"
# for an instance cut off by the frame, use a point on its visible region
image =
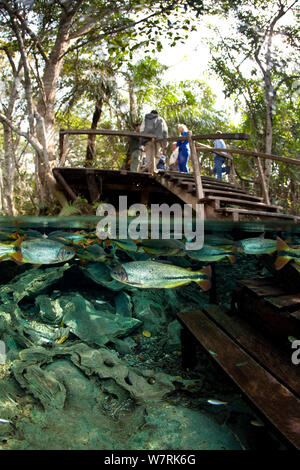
(120, 273)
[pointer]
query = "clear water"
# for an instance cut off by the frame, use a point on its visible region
(89, 363)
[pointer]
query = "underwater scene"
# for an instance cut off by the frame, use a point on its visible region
(91, 344)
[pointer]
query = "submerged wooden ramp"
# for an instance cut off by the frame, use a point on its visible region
(262, 371)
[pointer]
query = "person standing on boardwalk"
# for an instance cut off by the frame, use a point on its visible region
(156, 125)
(184, 149)
(135, 149)
(218, 168)
(173, 162)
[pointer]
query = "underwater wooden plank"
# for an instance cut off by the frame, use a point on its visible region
(276, 323)
(296, 315)
(257, 213)
(262, 288)
(277, 361)
(233, 200)
(285, 301)
(273, 399)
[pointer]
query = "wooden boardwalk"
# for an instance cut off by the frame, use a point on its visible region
(213, 198)
(221, 200)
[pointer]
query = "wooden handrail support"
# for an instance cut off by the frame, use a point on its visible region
(199, 146)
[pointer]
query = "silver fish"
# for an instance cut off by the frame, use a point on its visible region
(258, 246)
(156, 275)
(44, 251)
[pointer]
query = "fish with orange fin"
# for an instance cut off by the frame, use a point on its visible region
(158, 275)
(286, 254)
(11, 250)
(161, 247)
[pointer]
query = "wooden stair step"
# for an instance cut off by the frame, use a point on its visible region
(234, 193)
(257, 213)
(265, 352)
(191, 188)
(253, 378)
(232, 200)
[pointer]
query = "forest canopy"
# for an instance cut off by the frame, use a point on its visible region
(94, 64)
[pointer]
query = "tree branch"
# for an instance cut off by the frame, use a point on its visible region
(17, 14)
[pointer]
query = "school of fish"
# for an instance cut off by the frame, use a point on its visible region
(59, 247)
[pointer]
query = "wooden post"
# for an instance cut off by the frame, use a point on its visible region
(196, 168)
(65, 185)
(61, 146)
(263, 182)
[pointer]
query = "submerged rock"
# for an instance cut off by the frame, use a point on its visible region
(31, 283)
(94, 326)
(50, 310)
(123, 304)
(100, 274)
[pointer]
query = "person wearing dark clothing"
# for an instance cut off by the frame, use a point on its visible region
(135, 150)
(156, 125)
(162, 163)
(219, 159)
(184, 150)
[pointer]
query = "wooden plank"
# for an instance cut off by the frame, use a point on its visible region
(241, 201)
(230, 136)
(285, 302)
(93, 186)
(273, 399)
(267, 156)
(258, 213)
(278, 362)
(218, 151)
(232, 193)
(104, 132)
(275, 322)
(263, 181)
(296, 315)
(263, 291)
(259, 281)
(65, 185)
(196, 168)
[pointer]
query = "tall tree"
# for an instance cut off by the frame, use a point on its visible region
(45, 32)
(258, 59)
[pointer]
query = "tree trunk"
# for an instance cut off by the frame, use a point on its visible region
(91, 147)
(8, 173)
(45, 115)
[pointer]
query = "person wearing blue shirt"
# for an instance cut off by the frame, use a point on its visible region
(184, 149)
(219, 159)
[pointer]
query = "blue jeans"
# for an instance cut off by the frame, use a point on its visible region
(183, 159)
(218, 168)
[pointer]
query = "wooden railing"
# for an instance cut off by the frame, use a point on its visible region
(194, 146)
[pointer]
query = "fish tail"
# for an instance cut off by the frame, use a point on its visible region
(232, 257)
(281, 261)
(281, 245)
(16, 256)
(205, 284)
